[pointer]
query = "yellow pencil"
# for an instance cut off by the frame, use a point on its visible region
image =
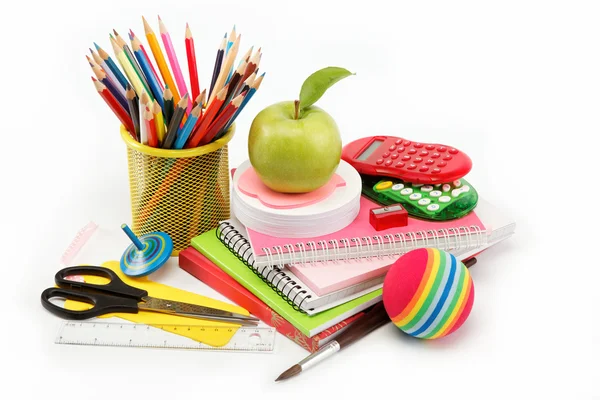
(225, 69)
(137, 84)
(159, 122)
(160, 60)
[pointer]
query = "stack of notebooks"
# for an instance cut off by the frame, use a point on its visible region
(311, 289)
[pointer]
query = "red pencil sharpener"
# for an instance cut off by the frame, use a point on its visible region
(388, 217)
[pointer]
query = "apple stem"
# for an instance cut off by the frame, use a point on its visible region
(297, 108)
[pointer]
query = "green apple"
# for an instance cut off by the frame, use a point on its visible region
(295, 146)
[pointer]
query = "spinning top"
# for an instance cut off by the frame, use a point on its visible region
(146, 254)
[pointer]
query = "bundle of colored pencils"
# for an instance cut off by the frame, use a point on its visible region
(156, 108)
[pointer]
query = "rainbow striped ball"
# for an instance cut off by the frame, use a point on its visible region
(428, 293)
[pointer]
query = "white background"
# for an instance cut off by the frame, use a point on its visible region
(515, 84)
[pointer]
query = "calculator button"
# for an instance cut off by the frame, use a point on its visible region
(430, 147)
(398, 186)
(415, 196)
(405, 158)
(418, 159)
(433, 207)
(424, 168)
(400, 165)
(456, 192)
(435, 155)
(385, 155)
(429, 162)
(389, 162)
(466, 188)
(435, 193)
(406, 191)
(392, 148)
(436, 171)
(453, 151)
(445, 199)
(383, 185)
(399, 141)
(407, 143)
(412, 166)
(380, 161)
(446, 187)
(442, 149)
(448, 157)
(424, 202)
(401, 149)
(418, 145)
(457, 183)
(427, 188)
(412, 151)
(423, 153)
(394, 156)
(442, 164)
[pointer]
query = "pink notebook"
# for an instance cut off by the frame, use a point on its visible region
(360, 239)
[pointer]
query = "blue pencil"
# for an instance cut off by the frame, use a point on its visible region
(112, 66)
(147, 71)
(184, 133)
(229, 44)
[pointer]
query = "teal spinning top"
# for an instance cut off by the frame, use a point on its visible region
(146, 254)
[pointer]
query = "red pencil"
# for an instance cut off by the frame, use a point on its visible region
(151, 129)
(210, 114)
(114, 104)
(222, 119)
(191, 57)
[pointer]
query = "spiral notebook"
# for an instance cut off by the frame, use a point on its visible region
(360, 240)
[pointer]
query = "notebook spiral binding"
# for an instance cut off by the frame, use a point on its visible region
(240, 246)
(344, 250)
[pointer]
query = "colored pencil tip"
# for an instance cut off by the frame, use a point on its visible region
(94, 79)
(159, 18)
(96, 46)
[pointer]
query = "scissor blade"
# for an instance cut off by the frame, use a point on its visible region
(194, 310)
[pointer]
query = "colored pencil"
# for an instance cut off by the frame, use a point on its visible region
(115, 106)
(219, 123)
(147, 70)
(159, 122)
(184, 132)
(230, 41)
(110, 85)
(225, 68)
(200, 99)
(143, 126)
(166, 38)
(154, 73)
(235, 82)
(175, 122)
(112, 66)
(210, 114)
(160, 60)
(137, 84)
(252, 89)
(134, 110)
(134, 64)
(252, 65)
(168, 105)
(218, 63)
(151, 129)
(191, 58)
(98, 60)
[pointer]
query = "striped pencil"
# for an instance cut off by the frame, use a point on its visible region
(160, 60)
(132, 36)
(115, 106)
(112, 66)
(175, 122)
(184, 132)
(134, 110)
(166, 38)
(218, 63)
(159, 122)
(147, 70)
(220, 122)
(226, 66)
(110, 85)
(191, 58)
(168, 105)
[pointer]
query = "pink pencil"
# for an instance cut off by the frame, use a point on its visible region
(166, 38)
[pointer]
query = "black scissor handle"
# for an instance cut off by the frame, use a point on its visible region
(116, 287)
(102, 304)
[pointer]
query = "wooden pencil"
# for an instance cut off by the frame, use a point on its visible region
(151, 130)
(235, 82)
(230, 42)
(224, 70)
(147, 70)
(251, 90)
(170, 50)
(134, 110)
(132, 76)
(110, 85)
(115, 106)
(218, 63)
(191, 58)
(160, 60)
(219, 123)
(112, 66)
(210, 114)
(134, 63)
(159, 122)
(175, 122)
(154, 73)
(168, 107)
(184, 132)
(252, 65)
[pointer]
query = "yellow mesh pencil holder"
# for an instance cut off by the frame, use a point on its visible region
(183, 193)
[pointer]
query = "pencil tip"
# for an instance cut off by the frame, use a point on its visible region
(96, 46)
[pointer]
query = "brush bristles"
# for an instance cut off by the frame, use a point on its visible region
(293, 371)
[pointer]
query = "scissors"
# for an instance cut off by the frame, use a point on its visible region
(118, 297)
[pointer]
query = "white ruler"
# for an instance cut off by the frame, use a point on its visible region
(128, 334)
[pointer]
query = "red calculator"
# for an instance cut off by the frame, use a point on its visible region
(404, 159)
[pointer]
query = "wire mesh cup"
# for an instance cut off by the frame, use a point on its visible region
(183, 193)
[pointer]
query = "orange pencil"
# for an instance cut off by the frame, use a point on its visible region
(114, 105)
(207, 118)
(160, 60)
(222, 119)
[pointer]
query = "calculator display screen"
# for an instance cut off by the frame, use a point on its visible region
(370, 150)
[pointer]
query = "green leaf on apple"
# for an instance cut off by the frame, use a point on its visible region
(317, 84)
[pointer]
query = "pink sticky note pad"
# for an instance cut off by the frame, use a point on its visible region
(251, 185)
